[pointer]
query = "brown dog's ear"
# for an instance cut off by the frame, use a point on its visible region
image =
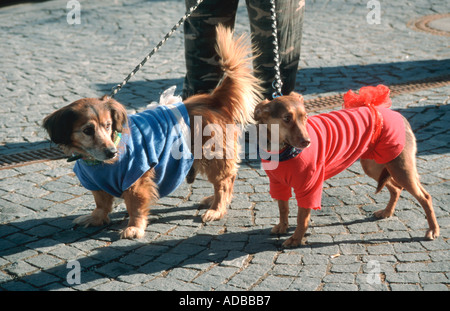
(59, 125)
(118, 113)
(297, 95)
(261, 110)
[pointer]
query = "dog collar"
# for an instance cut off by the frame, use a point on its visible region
(287, 153)
(77, 156)
(74, 157)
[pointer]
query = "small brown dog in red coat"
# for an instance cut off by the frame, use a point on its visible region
(314, 149)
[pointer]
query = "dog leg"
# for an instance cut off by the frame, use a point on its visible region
(137, 200)
(394, 190)
(404, 172)
(373, 169)
(407, 177)
(304, 214)
(99, 216)
(222, 174)
(223, 190)
(283, 225)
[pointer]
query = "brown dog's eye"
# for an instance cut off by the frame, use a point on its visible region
(287, 118)
(90, 131)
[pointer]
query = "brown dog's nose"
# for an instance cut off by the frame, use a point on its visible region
(304, 143)
(110, 152)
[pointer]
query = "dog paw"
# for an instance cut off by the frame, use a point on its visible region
(280, 229)
(432, 234)
(382, 214)
(292, 242)
(132, 233)
(89, 220)
(211, 215)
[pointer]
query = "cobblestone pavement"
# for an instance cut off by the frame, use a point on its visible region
(47, 63)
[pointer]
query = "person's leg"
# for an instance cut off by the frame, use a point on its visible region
(289, 28)
(202, 68)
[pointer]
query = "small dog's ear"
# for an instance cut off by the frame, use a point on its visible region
(297, 95)
(59, 125)
(261, 110)
(118, 113)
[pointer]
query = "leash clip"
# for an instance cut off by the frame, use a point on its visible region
(277, 92)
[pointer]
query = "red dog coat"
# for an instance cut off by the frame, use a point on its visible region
(338, 139)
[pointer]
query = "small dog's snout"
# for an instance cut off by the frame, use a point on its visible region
(110, 152)
(304, 143)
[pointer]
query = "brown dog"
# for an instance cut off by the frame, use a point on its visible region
(319, 147)
(133, 157)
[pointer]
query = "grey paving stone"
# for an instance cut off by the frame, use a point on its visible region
(67, 252)
(18, 286)
(274, 283)
(353, 267)
(405, 287)
(41, 279)
(427, 277)
(435, 287)
(20, 268)
(306, 284)
(339, 278)
(44, 261)
(113, 286)
(340, 287)
(403, 277)
(289, 258)
(410, 257)
(383, 249)
(249, 276)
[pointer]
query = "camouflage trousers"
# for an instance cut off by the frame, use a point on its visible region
(203, 71)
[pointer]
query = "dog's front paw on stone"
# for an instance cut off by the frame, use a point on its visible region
(90, 220)
(382, 214)
(132, 233)
(432, 234)
(280, 229)
(211, 215)
(292, 242)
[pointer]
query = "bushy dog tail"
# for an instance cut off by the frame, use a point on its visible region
(239, 91)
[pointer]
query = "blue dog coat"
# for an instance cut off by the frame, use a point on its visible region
(158, 138)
